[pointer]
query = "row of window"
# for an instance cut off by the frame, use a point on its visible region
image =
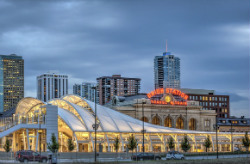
(206, 98)
(213, 104)
(234, 121)
(168, 122)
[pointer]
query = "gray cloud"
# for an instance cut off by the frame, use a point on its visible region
(88, 39)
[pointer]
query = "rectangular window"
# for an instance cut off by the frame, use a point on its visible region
(207, 123)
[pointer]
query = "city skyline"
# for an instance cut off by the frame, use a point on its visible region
(213, 46)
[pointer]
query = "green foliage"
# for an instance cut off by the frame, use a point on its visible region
(117, 144)
(246, 141)
(185, 145)
(71, 146)
(207, 143)
(132, 143)
(171, 143)
(7, 146)
(53, 146)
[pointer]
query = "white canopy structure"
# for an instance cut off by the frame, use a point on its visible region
(76, 117)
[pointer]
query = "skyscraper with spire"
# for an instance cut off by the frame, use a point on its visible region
(167, 71)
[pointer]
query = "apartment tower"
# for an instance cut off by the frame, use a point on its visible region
(109, 86)
(51, 85)
(85, 90)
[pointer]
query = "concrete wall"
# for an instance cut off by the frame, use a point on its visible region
(51, 121)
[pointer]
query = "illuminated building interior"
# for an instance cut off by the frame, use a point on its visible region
(76, 119)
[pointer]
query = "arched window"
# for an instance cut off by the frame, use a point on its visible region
(168, 122)
(180, 123)
(156, 120)
(192, 124)
(145, 119)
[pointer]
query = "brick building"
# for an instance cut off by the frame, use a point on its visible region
(109, 86)
(209, 101)
(236, 124)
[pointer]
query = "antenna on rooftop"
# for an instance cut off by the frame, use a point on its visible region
(166, 46)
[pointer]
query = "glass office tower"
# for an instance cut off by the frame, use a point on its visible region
(167, 71)
(11, 81)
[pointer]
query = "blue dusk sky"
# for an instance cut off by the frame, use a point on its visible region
(88, 39)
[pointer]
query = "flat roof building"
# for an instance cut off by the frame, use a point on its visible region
(109, 86)
(234, 124)
(51, 85)
(85, 90)
(210, 101)
(11, 81)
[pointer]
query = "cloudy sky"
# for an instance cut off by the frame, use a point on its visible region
(88, 39)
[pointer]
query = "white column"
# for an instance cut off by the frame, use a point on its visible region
(108, 143)
(93, 144)
(212, 142)
(28, 139)
(122, 142)
(24, 141)
(77, 148)
(37, 135)
(51, 122)
(195, 143)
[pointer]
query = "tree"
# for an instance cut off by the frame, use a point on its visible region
(171, 144)
(117, 144)
(132, 143)
(207, 143)
(185, 145)
(53, 145)
(71, 146)
(7, 146)
(246, 141)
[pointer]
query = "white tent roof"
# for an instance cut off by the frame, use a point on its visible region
(78, 114)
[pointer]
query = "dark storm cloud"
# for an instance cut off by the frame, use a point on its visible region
(88, 39)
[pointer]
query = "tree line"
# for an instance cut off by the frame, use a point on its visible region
(53, 145)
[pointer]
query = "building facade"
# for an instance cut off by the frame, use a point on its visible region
(85, 90)
(234, 124)
(11, 81)
(167, 71)
(210, 101)
(167, 109)
(109, 86)
(51, 85)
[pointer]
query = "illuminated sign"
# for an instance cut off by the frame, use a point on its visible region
(168, 96)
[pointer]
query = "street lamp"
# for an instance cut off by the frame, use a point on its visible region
(231, 134)
(143, 130)
(186, 118)
(95, 126)
(216, 127)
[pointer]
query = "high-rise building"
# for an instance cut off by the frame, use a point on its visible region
(77, 89)
(11, 81)
(109, 86)
(167, 71)
(85, 90)
(210, 101)
(51, 85)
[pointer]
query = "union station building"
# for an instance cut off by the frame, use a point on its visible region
(73, 117)
(166, 107)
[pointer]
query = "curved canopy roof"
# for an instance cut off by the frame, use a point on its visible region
(78, 114)
(26, 104)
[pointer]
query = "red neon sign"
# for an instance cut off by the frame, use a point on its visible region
(168, 91)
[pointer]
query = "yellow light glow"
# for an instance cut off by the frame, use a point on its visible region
(167, 99)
